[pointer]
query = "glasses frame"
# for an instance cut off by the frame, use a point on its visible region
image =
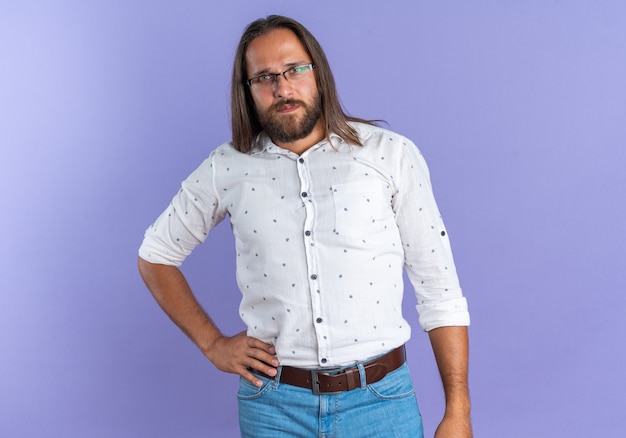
(274, 81)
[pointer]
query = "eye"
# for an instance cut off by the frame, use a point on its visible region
(299, 69)
(264, 78)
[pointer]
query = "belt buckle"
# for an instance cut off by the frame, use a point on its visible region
(315, 383)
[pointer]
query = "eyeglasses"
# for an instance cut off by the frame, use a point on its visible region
(269, 79)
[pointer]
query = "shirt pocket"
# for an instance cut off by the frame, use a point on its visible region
(362, 209)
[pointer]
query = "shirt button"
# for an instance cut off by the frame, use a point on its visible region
(318, 320)
(301, 160)
(324, 360)
(305, 194)
(313, 277)
(307, 233)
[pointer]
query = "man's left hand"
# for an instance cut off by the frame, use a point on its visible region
(454, 427)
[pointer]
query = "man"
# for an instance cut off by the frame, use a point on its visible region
(326, 210)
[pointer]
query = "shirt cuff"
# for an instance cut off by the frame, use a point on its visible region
(452, 312)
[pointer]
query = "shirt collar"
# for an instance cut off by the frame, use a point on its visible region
(263, 143)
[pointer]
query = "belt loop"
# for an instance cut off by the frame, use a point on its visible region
(276, 382)
(362, 374)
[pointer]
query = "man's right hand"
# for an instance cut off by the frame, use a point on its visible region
(231, 354)
(236, 354)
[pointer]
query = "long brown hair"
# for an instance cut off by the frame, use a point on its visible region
(244, 121)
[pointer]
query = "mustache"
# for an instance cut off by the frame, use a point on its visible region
(284, 102)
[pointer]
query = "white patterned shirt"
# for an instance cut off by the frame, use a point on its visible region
(321, 241)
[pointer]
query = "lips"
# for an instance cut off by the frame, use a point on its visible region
(287, 106)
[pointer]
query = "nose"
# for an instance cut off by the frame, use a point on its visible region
(282, 87)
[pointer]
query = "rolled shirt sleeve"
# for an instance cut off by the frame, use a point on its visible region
(186, 222)
(428, 256)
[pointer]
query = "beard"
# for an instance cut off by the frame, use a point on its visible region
(288, 128)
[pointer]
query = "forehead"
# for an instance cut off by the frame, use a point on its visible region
(275, 49)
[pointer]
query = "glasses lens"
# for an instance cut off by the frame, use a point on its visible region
(298, 71)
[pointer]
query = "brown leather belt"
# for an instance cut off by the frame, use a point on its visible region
(333, 381)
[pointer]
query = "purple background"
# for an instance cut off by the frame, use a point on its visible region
(519, 107)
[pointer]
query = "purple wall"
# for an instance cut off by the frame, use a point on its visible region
(519, 108)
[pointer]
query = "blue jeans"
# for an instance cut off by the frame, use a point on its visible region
(387, 408)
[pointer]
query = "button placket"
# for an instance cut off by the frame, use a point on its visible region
(310, 206)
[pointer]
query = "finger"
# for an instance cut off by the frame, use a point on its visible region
(261, 361)
(247, 371)
(251, 378)
(263, 357)
(257, 343)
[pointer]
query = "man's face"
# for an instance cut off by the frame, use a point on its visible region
(287, 110)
